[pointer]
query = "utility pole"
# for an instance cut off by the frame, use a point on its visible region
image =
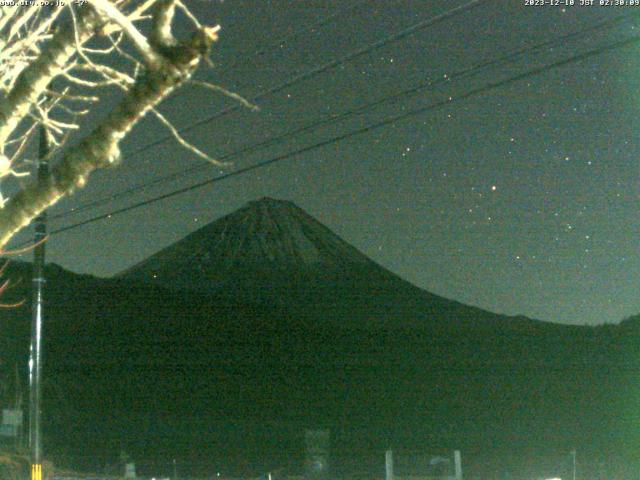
(573, 456)
(35, 353)
(19, 445)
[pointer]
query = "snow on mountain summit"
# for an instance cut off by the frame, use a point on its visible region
(276, 230)
(271, 252)
(264, 234)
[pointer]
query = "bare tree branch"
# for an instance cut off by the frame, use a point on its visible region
(50, 73)
(228, 93)
(139, 41)
(185, 143)
(100, 148)
(34, 79)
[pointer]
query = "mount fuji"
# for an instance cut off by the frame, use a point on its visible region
(271, 251)
(223, 347)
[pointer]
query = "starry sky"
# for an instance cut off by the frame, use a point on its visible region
(520, 199)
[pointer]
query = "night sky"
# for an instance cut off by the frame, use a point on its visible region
(521, 199)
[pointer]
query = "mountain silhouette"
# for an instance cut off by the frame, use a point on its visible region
(271, 251)
(221, 349)
(266, 234)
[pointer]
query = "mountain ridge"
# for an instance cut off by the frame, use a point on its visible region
(269, 250)
(159, 370)
(266, 231)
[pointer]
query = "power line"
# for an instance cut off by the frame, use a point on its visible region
(278, 42)
(470, 71)
(367, 129)
(315, 71)
(304, 29)
(324, 67)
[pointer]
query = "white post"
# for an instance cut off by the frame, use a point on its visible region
(130, 471)
(388, 457)
(457, 459)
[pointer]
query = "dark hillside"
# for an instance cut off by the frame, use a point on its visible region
(228, 374)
